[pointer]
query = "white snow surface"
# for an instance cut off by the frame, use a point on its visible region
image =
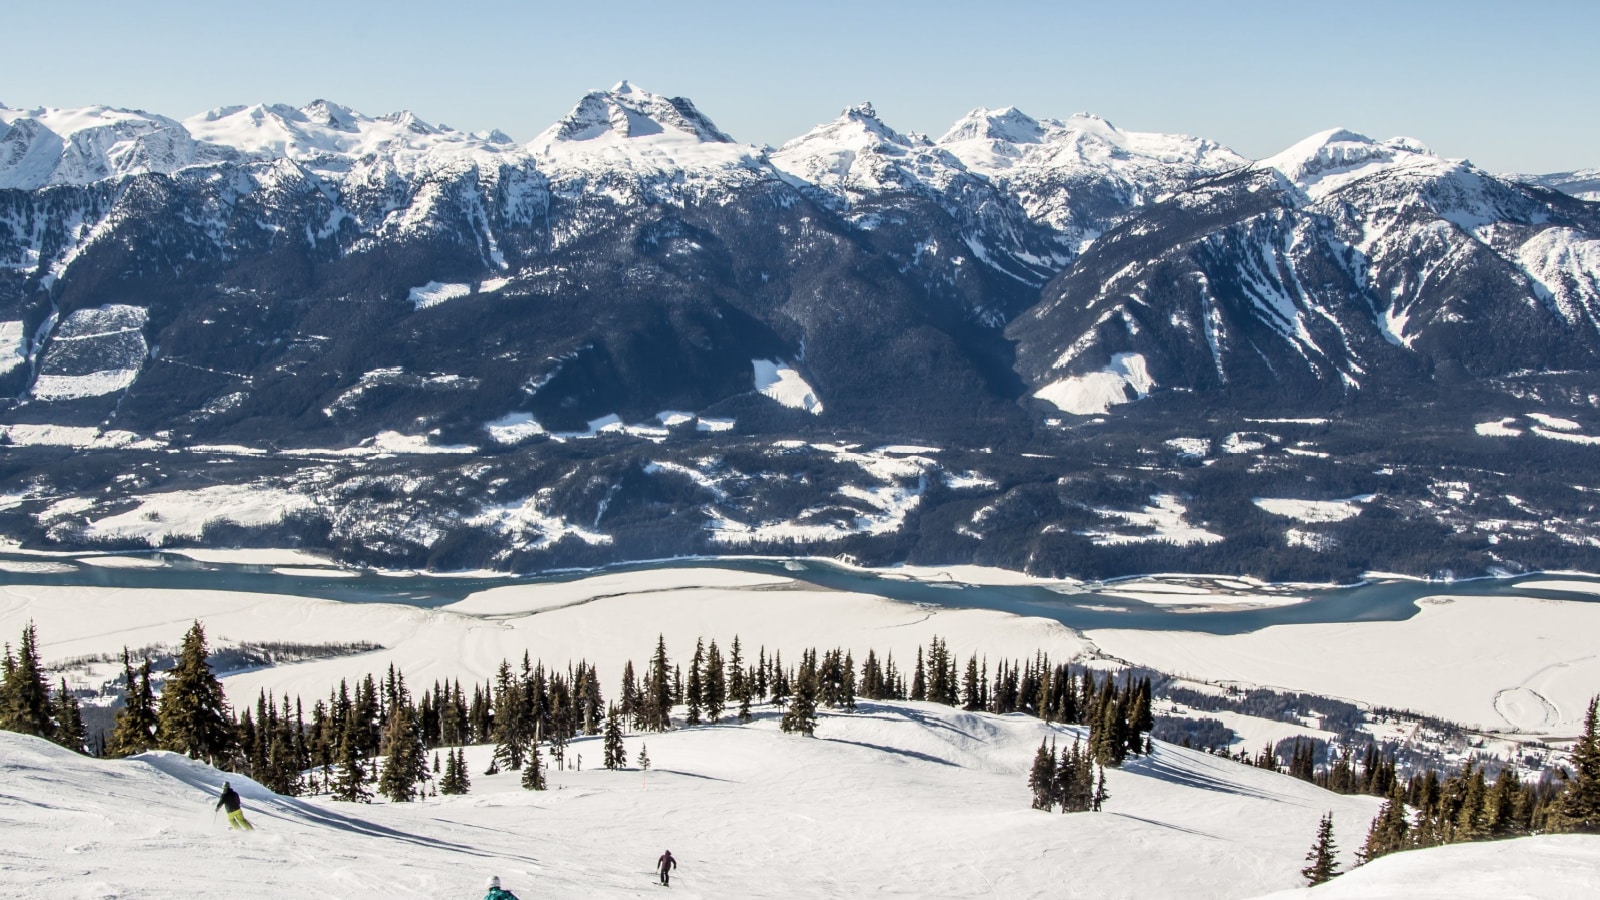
(13, 346)
(435, 292)
(1498, 428)
(778, 380)
(1545, 867)
(1125, 379)
(185, 514)
(897, 800)
(1314, 510)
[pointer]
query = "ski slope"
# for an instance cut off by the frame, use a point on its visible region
(897, 800)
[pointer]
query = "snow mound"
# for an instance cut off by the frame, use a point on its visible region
(778, 380)
(1548, 867)
(1095, 393)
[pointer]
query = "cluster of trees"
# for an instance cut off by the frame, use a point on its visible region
(1428, 810)
(1068, 780)
(1467, 806)
(26, 704)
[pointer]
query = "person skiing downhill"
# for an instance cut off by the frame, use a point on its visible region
(664, 867)
(230, 801)
(496, 892)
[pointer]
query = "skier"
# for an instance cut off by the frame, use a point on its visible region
(230, 802)
(496, 892)
(665, 865)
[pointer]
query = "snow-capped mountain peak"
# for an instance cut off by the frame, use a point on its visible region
(629, 113)
(1006, 125)
(1330, 159)
(321, 128)
(45, 146)
(859, 153)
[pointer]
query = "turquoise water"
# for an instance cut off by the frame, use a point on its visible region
(1089, 608)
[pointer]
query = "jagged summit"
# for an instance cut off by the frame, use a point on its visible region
(858, 152)
(629, 113)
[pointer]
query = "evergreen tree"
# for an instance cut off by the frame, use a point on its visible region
(919, 680)
(1101, 795)
(1389, 832)
(969, 687)
(406, 756)
(194, 717)
(658, 703)
(1322, 865)
(740, 684)
(1042, 777)
(801, 716)
(533, 772)
(1578, 808)
(24, 696)
(644, 758)
(351, 783)
(69, 720)
(714, 687)
(512, 724)
(453, 782)
(694, 694)
(616, 755)
(136, 723)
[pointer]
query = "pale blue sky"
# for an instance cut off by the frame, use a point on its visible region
(1512, 86)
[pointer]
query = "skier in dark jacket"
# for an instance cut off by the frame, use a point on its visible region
(230, 802)
(665, 865)
(496, 892)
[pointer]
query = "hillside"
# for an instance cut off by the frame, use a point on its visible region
(900, 800)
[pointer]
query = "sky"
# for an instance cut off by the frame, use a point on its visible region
(1511, 86)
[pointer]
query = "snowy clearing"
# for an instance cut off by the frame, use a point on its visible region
(436, 292)
(1094, 394)
(1161, 521)
(778, 380)
(1314, 510)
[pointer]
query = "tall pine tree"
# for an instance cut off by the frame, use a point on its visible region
(1321, 864)
(194, 717)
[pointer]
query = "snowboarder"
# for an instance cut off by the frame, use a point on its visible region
(230, 802)
(496, 892)
(664, 867)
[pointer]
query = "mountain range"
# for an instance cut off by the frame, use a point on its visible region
(1050, 345)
